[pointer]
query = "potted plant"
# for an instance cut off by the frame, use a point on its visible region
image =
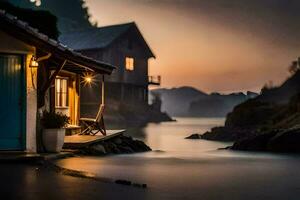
(54, 132)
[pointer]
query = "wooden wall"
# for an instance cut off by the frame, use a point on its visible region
(123, 86)
(126, 46)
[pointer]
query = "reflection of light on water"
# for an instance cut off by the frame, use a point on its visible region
(167, 141)
(169, 136)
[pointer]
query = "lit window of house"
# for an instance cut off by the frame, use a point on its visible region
(61, 92)
(129, 63)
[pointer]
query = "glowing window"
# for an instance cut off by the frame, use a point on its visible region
(61, 92)
(129, 64)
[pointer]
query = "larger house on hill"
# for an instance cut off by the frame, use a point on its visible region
(124, 47)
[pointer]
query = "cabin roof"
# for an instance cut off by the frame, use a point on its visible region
(99, 38)
(23, 31)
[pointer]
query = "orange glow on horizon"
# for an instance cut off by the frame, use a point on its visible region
(194, 50)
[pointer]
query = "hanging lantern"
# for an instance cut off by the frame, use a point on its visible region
(33, 62)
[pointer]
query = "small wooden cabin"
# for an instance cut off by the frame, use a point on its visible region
(123, 46)
(37, 73)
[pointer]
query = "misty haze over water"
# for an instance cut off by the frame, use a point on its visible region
(195, 169)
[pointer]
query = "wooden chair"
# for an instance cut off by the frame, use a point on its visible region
(93, 126)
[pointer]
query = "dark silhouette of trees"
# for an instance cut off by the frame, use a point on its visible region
(36, 19)
(295, 66)
(72, 14)
(268, 86)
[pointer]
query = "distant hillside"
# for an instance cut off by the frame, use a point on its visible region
(188, 101)
(217, 105)
(176, 101)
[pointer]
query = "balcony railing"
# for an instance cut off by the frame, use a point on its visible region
(154, 80)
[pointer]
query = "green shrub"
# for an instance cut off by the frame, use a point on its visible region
(52, 120)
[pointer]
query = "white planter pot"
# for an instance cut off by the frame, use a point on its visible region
(53, 139)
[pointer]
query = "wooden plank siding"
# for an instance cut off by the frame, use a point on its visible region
(125, 86)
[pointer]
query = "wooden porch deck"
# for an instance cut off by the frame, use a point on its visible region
(81, 141)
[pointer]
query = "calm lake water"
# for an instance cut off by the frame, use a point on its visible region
(195, 169)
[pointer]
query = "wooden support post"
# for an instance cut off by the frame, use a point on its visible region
(102, 124)
(103, 91)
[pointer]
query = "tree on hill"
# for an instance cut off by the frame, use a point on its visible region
(295, 66)
(267, 87)
(72, 14)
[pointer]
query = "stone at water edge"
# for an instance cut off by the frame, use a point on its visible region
(123, 182)
(286, 141)
(194, 136)
(119, 145)
(253, 143)
(283, 141)
(117, 140)
(99, 148)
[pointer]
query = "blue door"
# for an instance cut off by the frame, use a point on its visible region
(12, 103)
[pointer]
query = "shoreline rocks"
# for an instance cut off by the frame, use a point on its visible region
(118, 145)
(254, 143)
(129, 183)
(227, 134)
(283, 141)
(193, 137)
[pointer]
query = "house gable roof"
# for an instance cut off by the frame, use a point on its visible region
(101, 37)
(32, 36)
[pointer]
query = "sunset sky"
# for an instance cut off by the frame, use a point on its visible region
(215, 45)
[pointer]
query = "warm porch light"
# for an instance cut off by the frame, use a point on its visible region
(88, 79)
(33, 62)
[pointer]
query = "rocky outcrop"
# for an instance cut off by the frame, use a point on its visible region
(276, 108)
(276, 135)
(257, 118)
(227, 134)
(246, 120)
(251, 115)
(118, 145)
(285, 141)
(253, 143)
